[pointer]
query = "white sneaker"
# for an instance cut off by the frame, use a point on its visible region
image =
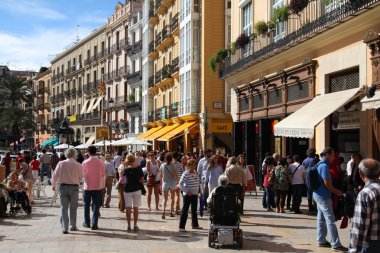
(182, 230)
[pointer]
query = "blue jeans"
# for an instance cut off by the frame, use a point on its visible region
(268, 198)
(69, 199)
(45, 168)
(326, 222)
(93, 196)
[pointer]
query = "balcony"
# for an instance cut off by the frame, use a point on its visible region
(173, 110)
(137, 47)
(133, 106)
(151, 116)
(153, 18)
(87, 88)
(94, 86)
(79, 92)
(175, 25)
(129, 50)
(102, 54)
(89, 119)
(87, 61)
(158, 39)
(134, 77)
(166, 78)
(123, 71)
(160, 8)
(174, 68)
(310, 34)
(153, 54)
(73, 93)
(161, 113)
(67, 94)
(123, 43)
(166, 39)
(157, 77)
(68, 71)
(151, 82)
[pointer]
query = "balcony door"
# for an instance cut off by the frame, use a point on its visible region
(247, 26)
(280, 26)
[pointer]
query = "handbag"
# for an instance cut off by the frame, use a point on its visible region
(272, 176)
(142, 188)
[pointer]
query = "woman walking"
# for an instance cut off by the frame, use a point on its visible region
(120, 185)
(26, 172)
(134, 177)
(282, 179)
(153, 183)
(268, 201)
(189, 184)
(214, 170)
(169, 181)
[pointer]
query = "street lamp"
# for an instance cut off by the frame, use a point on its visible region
(64, 129)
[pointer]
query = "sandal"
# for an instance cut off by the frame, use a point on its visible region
(171, 215)
(163, 216)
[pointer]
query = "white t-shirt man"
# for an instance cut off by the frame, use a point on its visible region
(299, 175)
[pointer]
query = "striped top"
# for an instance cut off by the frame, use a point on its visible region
(189, 182)
(178, 165)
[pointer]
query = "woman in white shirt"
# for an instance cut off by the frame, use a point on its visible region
(153, 180)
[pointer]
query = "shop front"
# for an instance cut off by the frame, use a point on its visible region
(262, 104)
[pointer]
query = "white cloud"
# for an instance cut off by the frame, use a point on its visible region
(30, 8)
(35, 49)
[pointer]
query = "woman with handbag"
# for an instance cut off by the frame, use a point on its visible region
(169, 180)
(134, 178)
(153, 182)
(281, 182)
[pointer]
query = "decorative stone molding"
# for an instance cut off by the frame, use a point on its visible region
(372, 39)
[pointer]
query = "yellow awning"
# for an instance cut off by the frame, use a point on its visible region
(182, 128)
(161, 132)
(149, 132)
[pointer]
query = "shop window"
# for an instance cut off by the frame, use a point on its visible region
(274, 97)
(298, 91)
(258, 101)
(244, 104)
(345, 80)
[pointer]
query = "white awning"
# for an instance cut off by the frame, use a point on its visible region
(92, 101)
(87, 144)
(97, 102)
(301, 123)
(371, 103)
(84, 107)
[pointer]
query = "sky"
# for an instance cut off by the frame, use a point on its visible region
(33, 32)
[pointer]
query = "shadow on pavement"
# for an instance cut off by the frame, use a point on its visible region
(9, 222)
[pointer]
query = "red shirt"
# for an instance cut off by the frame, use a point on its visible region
(35, 165)
(335, 171)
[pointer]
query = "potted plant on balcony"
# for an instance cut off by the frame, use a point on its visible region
(242, 41)
(261, 28)
(281, 13)
(297, 6)
(271, 26)
(232, 48)
(221, 55)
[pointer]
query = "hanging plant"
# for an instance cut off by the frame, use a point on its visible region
(242, 41)
(212, 62)
(261, 27)
(221, 55)
(282, 13)
(297, 6)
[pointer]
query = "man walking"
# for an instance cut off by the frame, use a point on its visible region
(94, 171)
(308, 163)
(322, 196)
(68, 174)
(111, 175)
(202, 172)
(45, 165)
(365, 233)
(54, 159)
(298, 183)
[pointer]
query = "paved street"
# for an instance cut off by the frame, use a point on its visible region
(263, 232)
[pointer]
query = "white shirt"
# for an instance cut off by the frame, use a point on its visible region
(202, 168)
(117, 160)
(297, 178)
(349, 167)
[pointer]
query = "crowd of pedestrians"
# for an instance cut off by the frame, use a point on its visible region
(184, 178)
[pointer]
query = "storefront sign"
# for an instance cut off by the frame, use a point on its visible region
(346, 120)
(221, 127)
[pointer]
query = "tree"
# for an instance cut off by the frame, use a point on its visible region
(14, 88)
(15, 121)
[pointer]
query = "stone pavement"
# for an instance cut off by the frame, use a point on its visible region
(263, 232)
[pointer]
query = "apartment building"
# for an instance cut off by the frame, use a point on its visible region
(76, 77)
(183, 101)
(41, 106)
(123, 79)
(301, 78)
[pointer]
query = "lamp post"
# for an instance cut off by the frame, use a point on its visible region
(64, 129)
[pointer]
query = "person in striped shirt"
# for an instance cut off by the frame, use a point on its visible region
(365, 233)
(189, 184)
(179, 168)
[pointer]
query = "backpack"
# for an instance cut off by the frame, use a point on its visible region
(312, 178)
